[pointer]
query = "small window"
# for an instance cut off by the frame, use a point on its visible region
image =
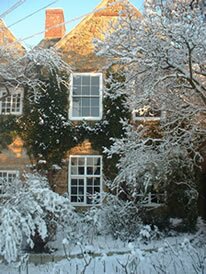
(7, 177)
(11, 104)
(147, 113)
(85, 179)
(86, 96)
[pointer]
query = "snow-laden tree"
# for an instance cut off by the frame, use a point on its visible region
(28, 71)
(23, 68)
(24, 211)
(163, 56)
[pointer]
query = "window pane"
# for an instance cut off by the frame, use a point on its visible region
(73, 190)
(73, 182)
(80, 199)
(81, 161)
(11, 177)
(97, 171)
(89, 200)
(81, 190)
(96, 190)
(97, 161)
(90, 190)
(95, 112)
(85, 90)
(86, 80)
(76, 90)
(76, 107)
(86, 112)
(94, 90)
(74, 170)
(90, 170)
(74, 161)
(90, 161)
(77, 80)
(73, 199)
(80, 170)
(97, 181)
(81, 182)
(85, 102)
(95, 80)
(95, 102)
(89, 181)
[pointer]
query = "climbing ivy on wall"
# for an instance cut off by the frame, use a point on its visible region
(8, 130)
(48, 134)
(44, 126)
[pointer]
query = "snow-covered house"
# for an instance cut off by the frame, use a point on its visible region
(14, 159)
(82, 173)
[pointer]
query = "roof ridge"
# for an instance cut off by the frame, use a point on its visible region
(7, 34)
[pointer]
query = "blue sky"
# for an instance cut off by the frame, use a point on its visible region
(35, 24)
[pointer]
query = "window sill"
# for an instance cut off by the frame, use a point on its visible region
(85, 118)
(145, 119)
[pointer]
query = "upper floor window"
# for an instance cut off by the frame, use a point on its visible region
(12, 103)
(85, 179)
(86, 96)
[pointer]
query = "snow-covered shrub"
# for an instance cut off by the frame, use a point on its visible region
(24, 210)
(86, 226)
(118, 218)
(156, 165)
(182, 202)
(149, 232)
(158, 217)
(114, 217)
(78, 231)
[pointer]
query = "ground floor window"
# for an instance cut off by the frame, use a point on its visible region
(11, 103)
(7, 176)
(85, 179)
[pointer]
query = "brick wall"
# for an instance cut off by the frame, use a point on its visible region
(61, 177)
(15, 157)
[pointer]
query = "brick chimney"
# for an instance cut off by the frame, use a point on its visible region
(54, 17)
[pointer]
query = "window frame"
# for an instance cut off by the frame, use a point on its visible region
(84, 177)
(89, 118)
(13, 92)
(148, 118)
(12, 171)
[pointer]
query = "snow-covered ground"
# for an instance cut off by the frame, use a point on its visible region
(185, 253)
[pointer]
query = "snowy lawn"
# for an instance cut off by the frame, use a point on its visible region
(184, 253)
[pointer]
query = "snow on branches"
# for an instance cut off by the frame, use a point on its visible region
(23, 212)
(24, 70)
(163, 57)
